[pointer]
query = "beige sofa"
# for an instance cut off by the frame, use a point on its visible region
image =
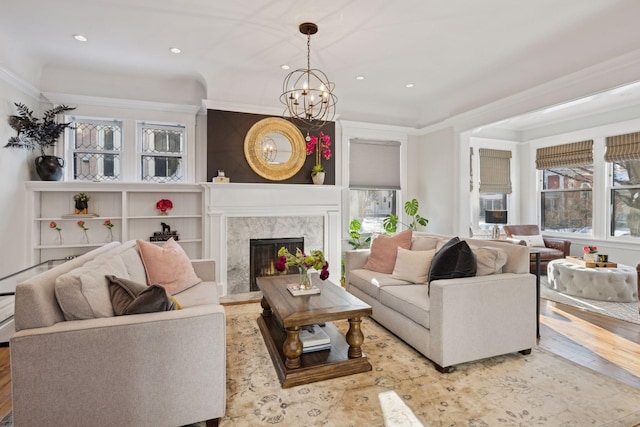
(156, 369)
(459, 320)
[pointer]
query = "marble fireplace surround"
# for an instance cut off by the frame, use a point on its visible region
(237, 212)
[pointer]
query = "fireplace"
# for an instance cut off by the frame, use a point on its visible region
(263, 256)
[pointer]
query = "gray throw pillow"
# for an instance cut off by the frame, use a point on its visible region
(129, 297)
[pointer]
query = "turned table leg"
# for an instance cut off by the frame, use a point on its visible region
(355, 338)
(292, 348)
(266, 308)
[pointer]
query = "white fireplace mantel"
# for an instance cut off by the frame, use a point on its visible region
(225, 200)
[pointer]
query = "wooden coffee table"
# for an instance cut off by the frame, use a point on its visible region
(283, 315)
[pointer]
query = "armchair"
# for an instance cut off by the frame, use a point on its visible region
(554, 248)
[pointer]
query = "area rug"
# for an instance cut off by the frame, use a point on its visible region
(627, 311)
(540, 389)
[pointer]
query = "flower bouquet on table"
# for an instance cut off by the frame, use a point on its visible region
(589, 253)
(303, 262)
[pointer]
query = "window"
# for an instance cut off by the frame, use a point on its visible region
(567, 179)
(495, 185)
(623, 152)
(162, 153)
(96, 150)
(374, 179)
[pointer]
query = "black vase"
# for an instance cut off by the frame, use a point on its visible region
(49, 168)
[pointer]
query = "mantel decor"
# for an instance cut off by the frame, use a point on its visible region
(254, 149)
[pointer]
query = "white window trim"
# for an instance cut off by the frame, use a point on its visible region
(166, 126)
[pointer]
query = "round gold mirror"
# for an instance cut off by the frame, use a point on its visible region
(275, 149)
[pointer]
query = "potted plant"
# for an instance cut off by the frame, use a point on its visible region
(39, 133)
(390, 223)
(321, 146)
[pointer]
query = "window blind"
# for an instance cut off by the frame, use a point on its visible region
(495, 171)
(374, 164)
(573, 154)
(622, 148)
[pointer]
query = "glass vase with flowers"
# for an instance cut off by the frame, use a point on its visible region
(303, 262)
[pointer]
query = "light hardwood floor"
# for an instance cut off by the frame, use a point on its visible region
(603, 344)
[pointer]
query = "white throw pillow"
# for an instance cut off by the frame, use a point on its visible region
(490, 260)
(534, 241)
(413, 266)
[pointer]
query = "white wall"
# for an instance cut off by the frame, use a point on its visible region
(16, 167)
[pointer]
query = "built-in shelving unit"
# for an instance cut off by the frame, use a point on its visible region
(131, 207)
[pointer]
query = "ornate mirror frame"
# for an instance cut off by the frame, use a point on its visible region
(253, 149)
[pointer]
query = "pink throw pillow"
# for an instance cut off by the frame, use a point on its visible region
(167, 265)
(384, 250)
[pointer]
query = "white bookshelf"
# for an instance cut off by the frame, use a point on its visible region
(129, 206)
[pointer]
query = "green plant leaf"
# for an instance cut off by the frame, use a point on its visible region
(390, 223)
(355, 225)
(411, 207)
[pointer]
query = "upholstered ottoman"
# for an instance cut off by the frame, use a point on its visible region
(604, 284)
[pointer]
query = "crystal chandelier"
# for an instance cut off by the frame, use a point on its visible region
(308, 93)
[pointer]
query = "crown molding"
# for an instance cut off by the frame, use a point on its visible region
(70, 99)
(19, 83)
(211, 104)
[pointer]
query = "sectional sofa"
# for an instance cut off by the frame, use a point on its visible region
(450, 321)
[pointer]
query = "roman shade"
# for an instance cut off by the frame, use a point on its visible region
(573, 154)
(374, 164)
(622, 148)
(495, 171)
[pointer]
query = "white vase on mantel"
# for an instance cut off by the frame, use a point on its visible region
(318, 178)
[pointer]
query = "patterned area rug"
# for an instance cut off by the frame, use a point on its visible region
(540, 389)
(627, 311)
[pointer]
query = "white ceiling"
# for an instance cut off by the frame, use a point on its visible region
(459, 54)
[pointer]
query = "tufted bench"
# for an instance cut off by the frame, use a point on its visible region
(603, 284)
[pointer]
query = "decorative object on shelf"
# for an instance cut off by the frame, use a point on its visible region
(107, 223)
(221, 178)
(53, 225)
(165, 234)
(307, 93)
(84, 230)
(33, 133)
(321, 146)
(303, 262)
(390, 223)
(81, 203)
(495, 218)
(590, 253)
(164, 205)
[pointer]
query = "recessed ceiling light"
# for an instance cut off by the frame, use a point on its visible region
(285, 67)
(80, 37)
(409, 85)
(174, 50)
(359, 77)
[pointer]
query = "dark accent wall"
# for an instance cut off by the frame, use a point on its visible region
(225, 149)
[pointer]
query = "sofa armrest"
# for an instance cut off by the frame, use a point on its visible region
(99, 368)
(205, 269)
(476, 317)
(355, 259)
(559, 244)
(515, 241)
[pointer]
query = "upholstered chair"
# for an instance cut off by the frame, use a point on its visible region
(553, 248)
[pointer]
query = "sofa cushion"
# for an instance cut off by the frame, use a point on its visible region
(384, 249)
(202, 294)
(454, 259)
(489, 260)
(410, 300)
(534, 240)
(131, 258)
(83, 293)
(130, 297)
(424, 243)
(167, 265)
(413, 266)
(370, 282)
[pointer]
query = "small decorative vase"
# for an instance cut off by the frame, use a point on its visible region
(305, 283)
(82, 207)
(590, 257)
(318, 178)
(49, 168)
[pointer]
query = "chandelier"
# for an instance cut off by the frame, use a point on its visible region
(308, 93)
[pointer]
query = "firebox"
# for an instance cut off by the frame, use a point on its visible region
(264, 254)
